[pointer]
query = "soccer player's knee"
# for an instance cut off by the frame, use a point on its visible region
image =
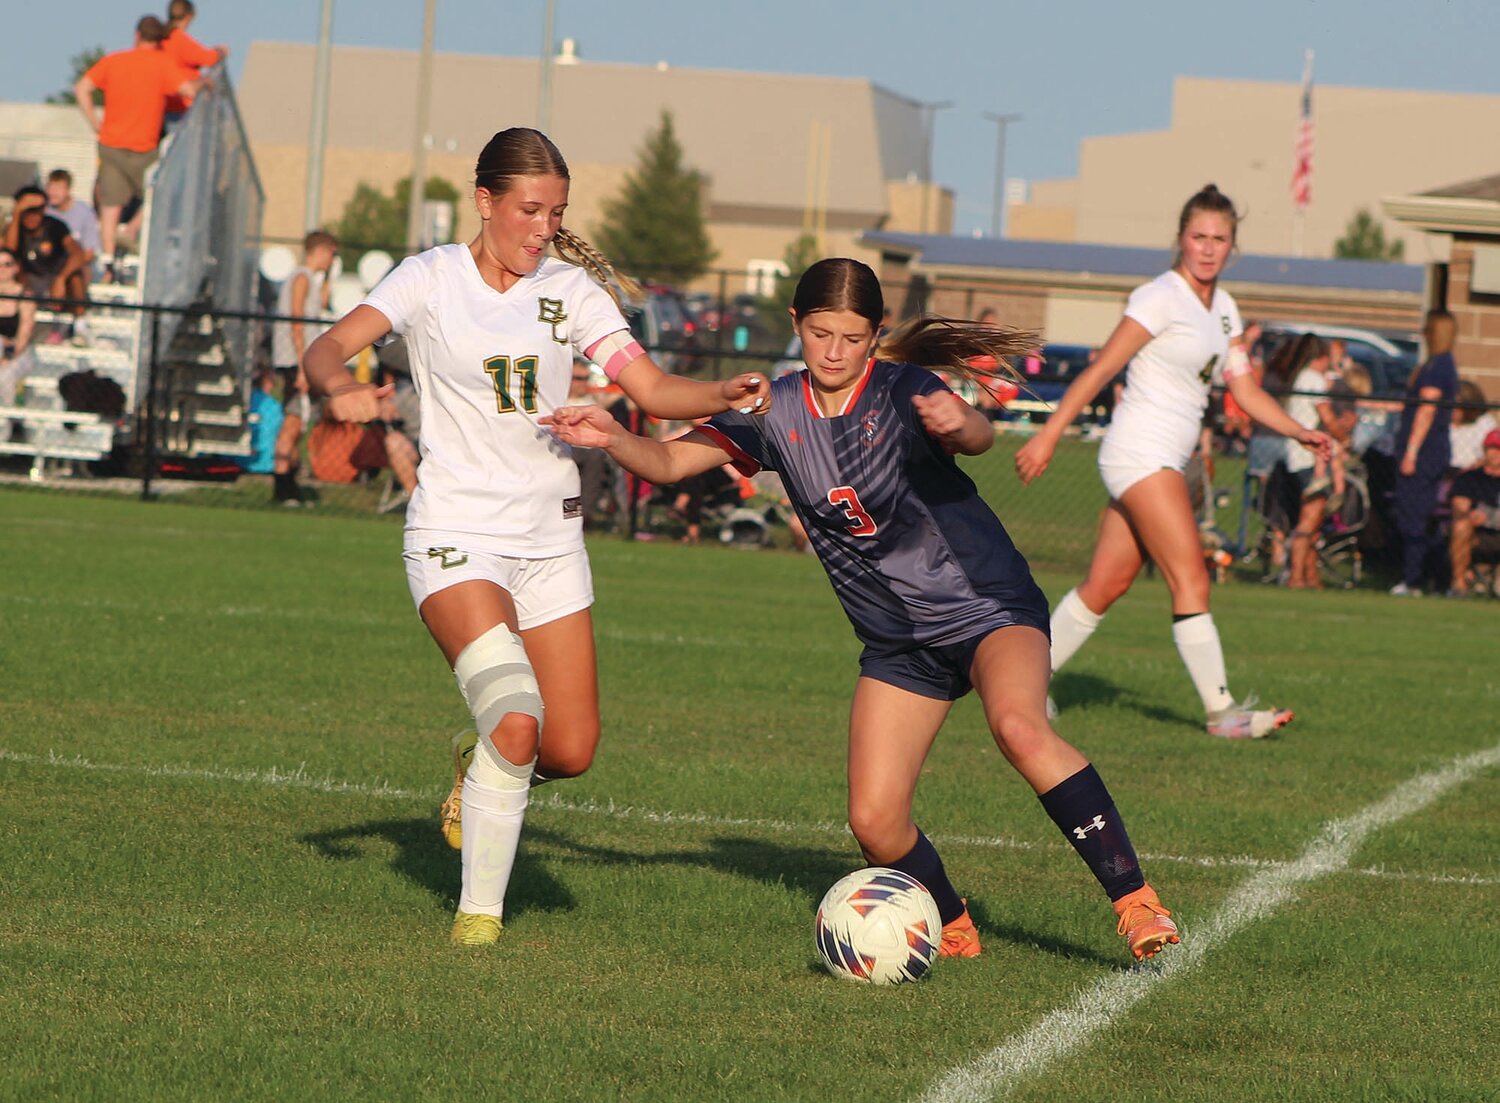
(1020, 734)
(497, 682)
(567, 762)
(874, 824)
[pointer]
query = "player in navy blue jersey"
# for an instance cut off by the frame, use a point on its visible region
(936, 591)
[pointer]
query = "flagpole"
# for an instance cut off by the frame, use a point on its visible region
(1302, 174)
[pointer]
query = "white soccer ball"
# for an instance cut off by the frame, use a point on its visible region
(879, 926)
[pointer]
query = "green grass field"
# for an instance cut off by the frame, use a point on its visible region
(224, 743)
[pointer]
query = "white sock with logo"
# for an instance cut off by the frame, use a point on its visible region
(1073, 623)
(496, 793)
(1197, 640)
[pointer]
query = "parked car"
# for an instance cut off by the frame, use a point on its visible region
(665, 327)
(1388, 359)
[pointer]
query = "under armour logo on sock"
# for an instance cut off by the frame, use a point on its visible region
(1096, 825)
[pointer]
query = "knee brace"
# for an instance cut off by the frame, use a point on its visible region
(495, 677)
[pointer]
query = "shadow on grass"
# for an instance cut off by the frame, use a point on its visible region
(1072, 690)
(424, 859)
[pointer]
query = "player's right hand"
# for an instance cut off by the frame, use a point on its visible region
(1033, 457)
(358, 401)
(581, 426)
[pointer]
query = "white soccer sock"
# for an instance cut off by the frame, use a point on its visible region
(1197, 642)
(493, 811)
(1073, 623)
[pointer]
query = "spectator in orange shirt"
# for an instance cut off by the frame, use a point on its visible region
(187, 51)
(136, 84)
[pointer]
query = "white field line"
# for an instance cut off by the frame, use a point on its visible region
(1095, 1009)
(299, 778)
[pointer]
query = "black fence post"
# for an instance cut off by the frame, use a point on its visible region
(148, 460)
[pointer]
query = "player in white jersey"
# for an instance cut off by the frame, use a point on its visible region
(1180, 334)
(494, 535)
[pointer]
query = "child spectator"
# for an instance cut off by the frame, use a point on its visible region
(304, 293)
(188, 52)
(80, 218)
(1472, 424)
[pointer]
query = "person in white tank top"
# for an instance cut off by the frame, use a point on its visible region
(494, 547)
(1180, 335)
(303, 294)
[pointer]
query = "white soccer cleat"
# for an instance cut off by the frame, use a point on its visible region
(1245, 721)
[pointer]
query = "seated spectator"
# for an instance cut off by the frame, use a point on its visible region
(1472, 424)
(402, 414)
(265, 423)
(188, 52)
(17, 319)
(52, 261)
(596, 476)
(82, 222)
(1475, 502)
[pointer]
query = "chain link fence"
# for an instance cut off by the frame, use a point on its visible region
(182, 446)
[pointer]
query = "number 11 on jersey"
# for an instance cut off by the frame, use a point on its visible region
(521, 392)
(847, 499)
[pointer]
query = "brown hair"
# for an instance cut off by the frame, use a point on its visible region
(1470, 403)
(1208, 198)
(179, 10)
(1441, 329)
(316, 238)
(840, 283)
(1290, 357)
(60, 174)
(151, 29)
(522, 151)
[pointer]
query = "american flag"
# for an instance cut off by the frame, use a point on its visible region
(1302, 174)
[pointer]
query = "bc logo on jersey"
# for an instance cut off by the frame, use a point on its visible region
(550, 312)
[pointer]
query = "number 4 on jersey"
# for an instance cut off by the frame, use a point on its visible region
(847, 499)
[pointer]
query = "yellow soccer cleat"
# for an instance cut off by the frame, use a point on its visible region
(452, 825)
(1145, 925)
(476, 930)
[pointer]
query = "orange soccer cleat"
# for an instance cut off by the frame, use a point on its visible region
(960, 938)
(1144, 923)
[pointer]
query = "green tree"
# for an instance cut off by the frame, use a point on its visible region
(654, 227)
(1364, 239)
(372, 219)
(80, 63)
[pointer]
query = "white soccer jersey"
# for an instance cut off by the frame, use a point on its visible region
(1166, 390)
(486, 366)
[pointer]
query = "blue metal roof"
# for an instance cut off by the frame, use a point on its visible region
(1119, 260)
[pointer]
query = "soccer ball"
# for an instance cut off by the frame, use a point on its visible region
(878, 925)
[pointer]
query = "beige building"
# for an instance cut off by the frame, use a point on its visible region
(780, 154)
(1464, 221)
(1369, 143)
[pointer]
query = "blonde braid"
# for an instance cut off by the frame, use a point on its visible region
(573, 249)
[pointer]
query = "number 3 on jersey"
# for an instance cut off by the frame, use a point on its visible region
(521, 392)
(860, 522)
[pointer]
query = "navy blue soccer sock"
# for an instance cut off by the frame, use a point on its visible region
(922, 862)
(1082, 808)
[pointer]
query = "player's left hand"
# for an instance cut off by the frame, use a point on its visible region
(749, 393)
(942, 413)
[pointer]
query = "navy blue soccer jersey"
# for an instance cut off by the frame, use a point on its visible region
(914, 554)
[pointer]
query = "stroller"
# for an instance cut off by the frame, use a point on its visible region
(1337, 546)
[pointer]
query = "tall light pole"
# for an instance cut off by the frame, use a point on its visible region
(415, 207)
(997, 211)
(317, 136)
(929, 111)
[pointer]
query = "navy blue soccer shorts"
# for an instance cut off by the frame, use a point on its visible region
(941, 671)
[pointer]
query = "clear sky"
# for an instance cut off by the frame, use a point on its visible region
(1072, 68)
